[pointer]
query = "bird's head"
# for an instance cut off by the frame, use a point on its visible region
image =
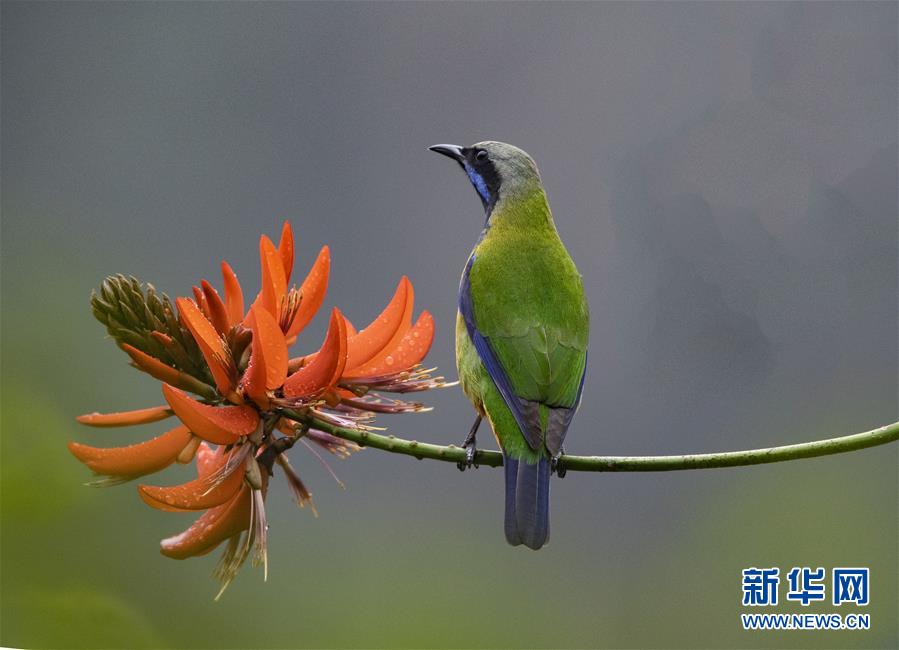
(496, 169)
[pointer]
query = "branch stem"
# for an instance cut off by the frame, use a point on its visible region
(454, 454)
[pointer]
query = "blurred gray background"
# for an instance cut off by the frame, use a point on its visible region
(724, 175)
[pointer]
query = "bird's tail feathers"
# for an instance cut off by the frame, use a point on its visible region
(510, 470)
(527, 502)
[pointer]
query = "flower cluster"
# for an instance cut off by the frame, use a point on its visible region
(251, 402)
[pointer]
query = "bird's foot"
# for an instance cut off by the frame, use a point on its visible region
(470, 453)
(557, 466)
(469, 445)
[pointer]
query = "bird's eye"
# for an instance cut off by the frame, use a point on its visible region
(482, 156)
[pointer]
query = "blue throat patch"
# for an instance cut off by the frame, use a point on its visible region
(479, 184)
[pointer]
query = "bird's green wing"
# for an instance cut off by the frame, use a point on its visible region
(540, 367)
(527, 316)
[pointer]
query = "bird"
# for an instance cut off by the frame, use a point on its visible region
(521, 331)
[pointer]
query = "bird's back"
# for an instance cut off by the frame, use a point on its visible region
(527, 301)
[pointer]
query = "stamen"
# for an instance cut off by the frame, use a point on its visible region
(324, 463)
(260, 532)
(229, 564)
(301, 493)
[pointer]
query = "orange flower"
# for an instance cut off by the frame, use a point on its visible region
(253, 402)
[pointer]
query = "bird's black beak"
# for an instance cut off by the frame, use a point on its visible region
(453, 151)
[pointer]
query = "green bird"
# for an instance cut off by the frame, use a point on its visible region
(521, 331)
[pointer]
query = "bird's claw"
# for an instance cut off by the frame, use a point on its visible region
(557, 466)
(470, 453)
(469, 445)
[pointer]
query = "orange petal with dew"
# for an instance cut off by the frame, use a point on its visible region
(164, 372)
(274, 283)
(218, 313)
(313, 291)
(200, 299)
(163, 338)
(285, 250)
(350, 328)
(270, 345)
(151, 365)
(126, 418)
(253, 382)
(211, 344)
(222, 425)
(134, 460)
(394, 342)
(197, 494)
(370, 341)
(212, 528)
(190, 451)
(233, 295)
(208, 459)
(326, 366)
(411, 349)
(342, 351)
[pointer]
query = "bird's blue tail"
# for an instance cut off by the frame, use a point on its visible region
(527, 502)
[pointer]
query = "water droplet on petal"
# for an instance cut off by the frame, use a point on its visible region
(389, 360)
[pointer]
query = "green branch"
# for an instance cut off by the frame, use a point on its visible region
(454, 454)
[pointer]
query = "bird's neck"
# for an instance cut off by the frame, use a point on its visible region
(524, 211)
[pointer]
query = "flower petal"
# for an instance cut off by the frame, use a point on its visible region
(218, 313)
(208, 459)
(164, 372)
(125, 418)
(190, 451)
(200, 299)
(267, 368)
(313, 291)
(370, 341)
(199, 494)
(252, 384)
(285, 250)
(152, 366)
(394, 342)
(326, 366)
(213, 347)
(212, 528)
(233, 295)
(411, 349)
(270, 345)
(223, 425)
(274, 283)
(134, 460)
